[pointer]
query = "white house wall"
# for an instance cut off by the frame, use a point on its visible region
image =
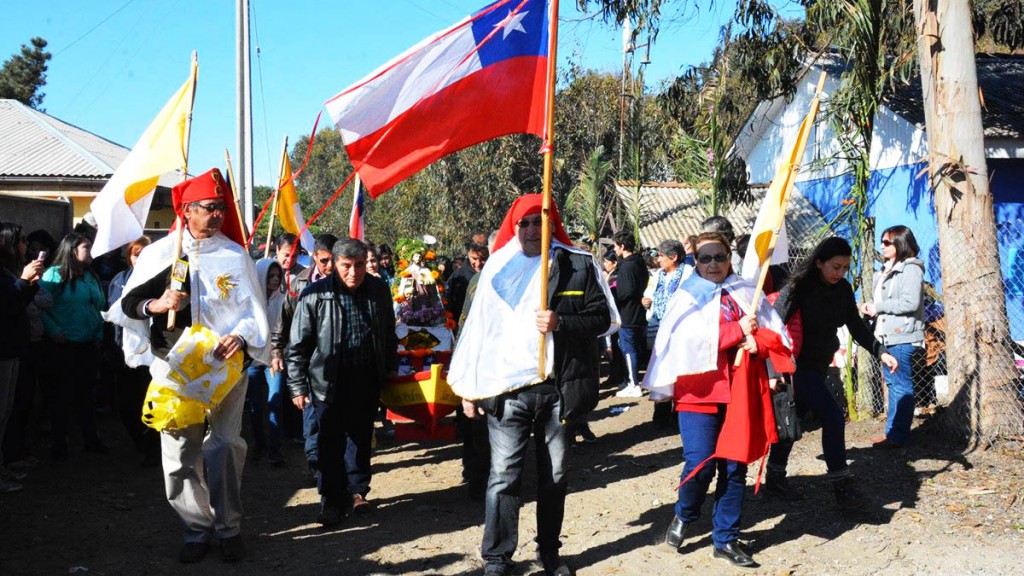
(770, 134)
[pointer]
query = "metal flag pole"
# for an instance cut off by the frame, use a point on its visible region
(277, 198)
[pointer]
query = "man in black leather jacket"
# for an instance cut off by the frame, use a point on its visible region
(342, 346)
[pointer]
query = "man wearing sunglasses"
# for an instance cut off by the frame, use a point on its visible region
(495, 370)
(202, 464)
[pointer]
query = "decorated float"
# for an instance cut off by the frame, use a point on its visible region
(418, 398)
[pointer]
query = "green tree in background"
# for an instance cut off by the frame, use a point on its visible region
(24, 75)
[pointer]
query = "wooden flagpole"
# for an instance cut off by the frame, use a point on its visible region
(277, 198)
(179, 222)
(234, 193)
(549, 150)
(794, 166)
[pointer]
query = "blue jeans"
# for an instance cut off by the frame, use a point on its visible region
(310, 429)
(631, 341)
(265, 396)
(901, 394)
(812, 394)
(521, 413)
(699, 433)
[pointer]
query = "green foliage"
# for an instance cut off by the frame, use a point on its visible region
(588, 201)
(24, 75)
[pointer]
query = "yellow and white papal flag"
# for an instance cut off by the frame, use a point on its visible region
(768, 242)
(122, 207)
(289, 213)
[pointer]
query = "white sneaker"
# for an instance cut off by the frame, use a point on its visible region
(631, 391)
(9, 486)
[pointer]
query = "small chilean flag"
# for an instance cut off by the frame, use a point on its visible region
(355, 221)
(484, 77)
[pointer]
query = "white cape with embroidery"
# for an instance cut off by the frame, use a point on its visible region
(499, 345)
(225, 295)
(687, 341)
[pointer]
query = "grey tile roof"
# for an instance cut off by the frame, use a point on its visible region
(673, 211)
(35, 144)
(1001, 81)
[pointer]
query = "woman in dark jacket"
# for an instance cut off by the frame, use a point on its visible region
(819, 290)
(18, 286)
(132, 383)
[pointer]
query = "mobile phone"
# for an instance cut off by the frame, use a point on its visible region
(42, 256)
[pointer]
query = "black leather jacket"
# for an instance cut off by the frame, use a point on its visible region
(583, 315)
(317, 328)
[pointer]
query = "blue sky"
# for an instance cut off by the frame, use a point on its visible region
(116, 62)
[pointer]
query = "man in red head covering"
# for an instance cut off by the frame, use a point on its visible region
(213, 284)
(495, 369)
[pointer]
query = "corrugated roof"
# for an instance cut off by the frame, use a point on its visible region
(674, 211)
(35, 144)
(1001, 81)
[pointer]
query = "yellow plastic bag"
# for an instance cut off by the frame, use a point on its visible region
(194, 382)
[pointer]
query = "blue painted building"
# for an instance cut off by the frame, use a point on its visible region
(898, 188)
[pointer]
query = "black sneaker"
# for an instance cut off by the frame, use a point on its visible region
(779, 487)
(849, 498)
(553, 564)
(330, 516)
(496, 569)
(193, 552)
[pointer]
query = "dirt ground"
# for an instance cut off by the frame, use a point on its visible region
(936, 511)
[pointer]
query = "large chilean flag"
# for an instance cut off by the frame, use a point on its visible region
(479, 79)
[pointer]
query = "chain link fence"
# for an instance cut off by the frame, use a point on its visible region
(997, 397)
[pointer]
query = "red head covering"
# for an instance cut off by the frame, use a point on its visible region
(209, 186)
(528, 205)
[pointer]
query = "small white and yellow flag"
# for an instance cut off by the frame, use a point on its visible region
(289, 213)
(768, 243)
(122, 207)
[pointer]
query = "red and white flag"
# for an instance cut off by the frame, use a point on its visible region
(356, 225)
(484, 77)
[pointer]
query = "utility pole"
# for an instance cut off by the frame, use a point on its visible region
(243, 109)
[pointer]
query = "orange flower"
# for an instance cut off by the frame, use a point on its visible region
(435, 274)
(404, 274)
(450, 324)
(447, 313)
(403, 263)
(399, 298)
(440, 287)
(430, 255)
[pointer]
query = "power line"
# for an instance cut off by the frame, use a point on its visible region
(263, 99)
(91, 30)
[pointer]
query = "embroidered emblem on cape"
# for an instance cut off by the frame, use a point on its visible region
(225, 285)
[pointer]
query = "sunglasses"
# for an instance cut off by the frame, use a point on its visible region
(213, 207)
(324, 260)
(887, 242)
(524, 223)
(721, 258)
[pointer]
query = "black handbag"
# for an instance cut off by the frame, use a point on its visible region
(787, 423)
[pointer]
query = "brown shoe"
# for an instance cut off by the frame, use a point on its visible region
(360, 505)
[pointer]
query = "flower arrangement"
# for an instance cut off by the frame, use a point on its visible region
(416, 290)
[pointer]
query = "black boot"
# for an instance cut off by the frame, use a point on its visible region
(776, 484)
(849, 498)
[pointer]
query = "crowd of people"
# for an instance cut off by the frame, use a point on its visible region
(318, 342)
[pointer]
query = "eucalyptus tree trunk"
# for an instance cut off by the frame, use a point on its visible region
(980, 366)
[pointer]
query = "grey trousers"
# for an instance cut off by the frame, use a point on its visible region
(203, 470)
